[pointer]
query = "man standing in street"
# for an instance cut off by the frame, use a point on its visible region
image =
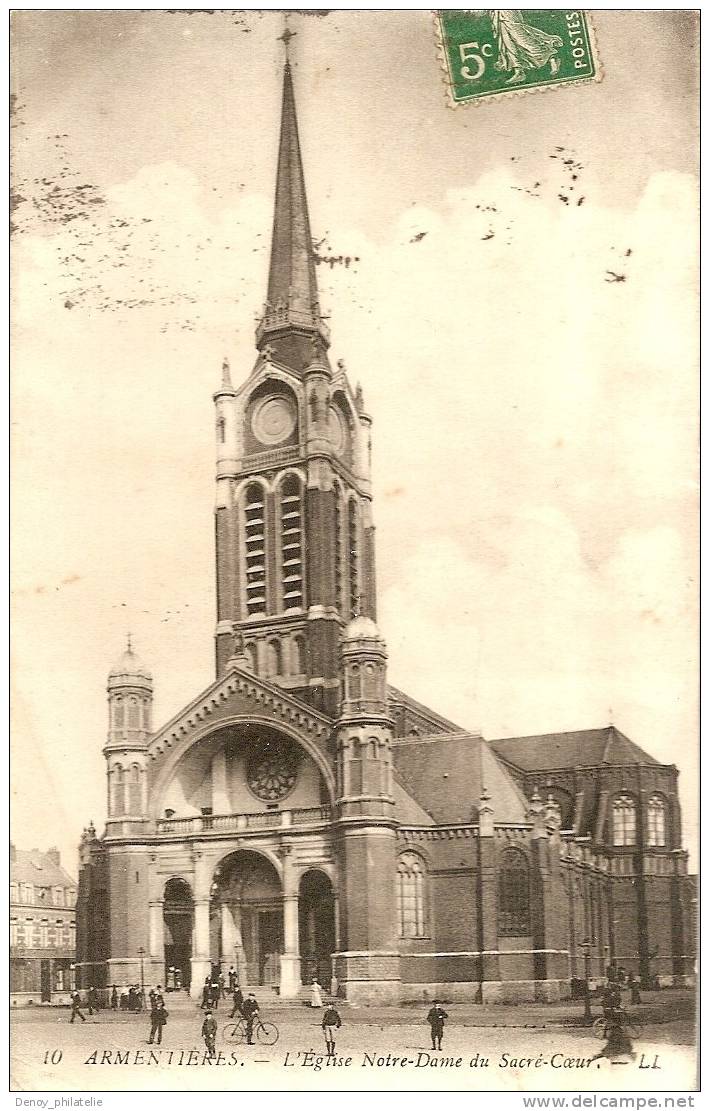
(436, 1018)
(232, 974)
(158, 1018)
(75, 1005)
(250, 1010)
(237, 1000)
(330, 1023)
(209, 1032)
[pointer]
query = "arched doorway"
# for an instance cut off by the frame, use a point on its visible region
(316, 927)
(246, 918)
(177, 933)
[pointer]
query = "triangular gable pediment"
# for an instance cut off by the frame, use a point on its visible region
(265, 369)
(240, 693)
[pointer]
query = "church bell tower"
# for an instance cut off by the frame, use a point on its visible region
(293, 518)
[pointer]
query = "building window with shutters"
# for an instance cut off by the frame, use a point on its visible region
(624, 821)
(291, 544)
(255, 549)
(411, 895)
(513, 894)
(656, 821)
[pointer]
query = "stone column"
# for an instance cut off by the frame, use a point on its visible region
(239, 953)
(227, 933)
(201, 964)
(156, 945)
(290, 980)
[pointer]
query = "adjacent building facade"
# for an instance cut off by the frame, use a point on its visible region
(301, 817)
(42, 927)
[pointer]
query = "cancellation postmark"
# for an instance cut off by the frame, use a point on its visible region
(491, 53)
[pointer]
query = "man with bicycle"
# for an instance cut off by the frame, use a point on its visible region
(250, 1010)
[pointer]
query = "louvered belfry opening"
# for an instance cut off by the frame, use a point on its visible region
(255, 549)
(291, 544)
(353, 546)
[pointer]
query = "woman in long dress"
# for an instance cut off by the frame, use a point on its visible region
(521, 46)
(316, 997)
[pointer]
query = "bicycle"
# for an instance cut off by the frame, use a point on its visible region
(267, 1033)
(599, 1026)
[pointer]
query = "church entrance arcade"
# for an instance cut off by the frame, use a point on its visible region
(316, 927)
(247, 919)
(177, 933)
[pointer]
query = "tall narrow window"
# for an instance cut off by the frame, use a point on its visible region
(291, 544)
(656, 821)
(411, 877)
(133, 714)
(134, 790)
(624, 821)
(250, 650)
(273, 658)
(118, 713)
(299, 656)
(354, 552)
(255, 549)
(118, 803)
(513, 894)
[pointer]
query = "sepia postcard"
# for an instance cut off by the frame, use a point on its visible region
(354, 460)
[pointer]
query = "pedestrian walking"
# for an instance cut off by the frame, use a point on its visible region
(635, 986)
(316, 997)
(618, 1042)
(611, 998)
(158, 1018)
(75, 1007)
(237, 1001)
(215, 994)
(232, 979)
(209, 1032)
(436, 1018)
(331, 1023)
(114, 998)
(250, 1010)
(206, 992)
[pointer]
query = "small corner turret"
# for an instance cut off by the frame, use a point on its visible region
(130, 706)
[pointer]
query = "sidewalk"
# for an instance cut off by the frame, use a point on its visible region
(670, 1005)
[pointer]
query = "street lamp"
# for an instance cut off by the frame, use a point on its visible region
(141, 954)
(585, 947)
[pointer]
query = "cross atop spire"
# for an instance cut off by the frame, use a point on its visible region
(292, 310)
(287, 35)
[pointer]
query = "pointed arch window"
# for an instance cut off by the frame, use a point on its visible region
(291, 544)
(255, 549)
(624, 821)
(656, 821)
(354, 556)
(513, 894)
(250, 651)
(411, 895)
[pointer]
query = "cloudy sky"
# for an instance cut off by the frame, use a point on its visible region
(528, 356)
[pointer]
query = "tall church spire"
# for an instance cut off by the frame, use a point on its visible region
(292, 317)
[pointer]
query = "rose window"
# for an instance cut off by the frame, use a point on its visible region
(272, 771)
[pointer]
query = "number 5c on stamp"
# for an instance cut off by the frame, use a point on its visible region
(490, 53)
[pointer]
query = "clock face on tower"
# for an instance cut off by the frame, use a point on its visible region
(273, 420)
(272, 771)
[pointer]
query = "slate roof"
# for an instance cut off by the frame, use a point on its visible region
(446, 773)
(32, 866)
(397, 698)
(581, 748)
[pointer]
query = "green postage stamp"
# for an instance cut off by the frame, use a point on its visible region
(497, 53)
